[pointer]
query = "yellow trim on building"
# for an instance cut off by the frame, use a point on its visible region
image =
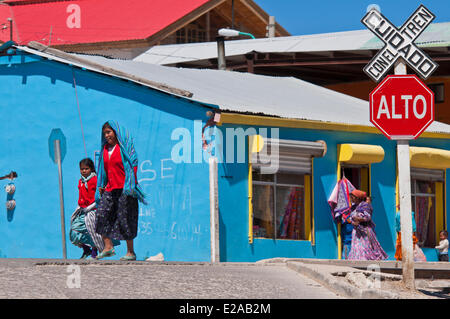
(250, 204)
(427, 157)
(339, 238)
(258, 120)
(255, 144)
(311, 212)
(439, 188)
(360, 153)
(307, 207)
(445, 201)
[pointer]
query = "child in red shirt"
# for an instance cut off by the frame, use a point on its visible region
(87, 184)
(86, 205)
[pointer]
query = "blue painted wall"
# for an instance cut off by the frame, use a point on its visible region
(233, 183)
(37, 96)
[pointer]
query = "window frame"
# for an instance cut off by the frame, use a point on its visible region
(440, 218)
(436, 88)
(253, 141)
(362, 155)
(275, 184)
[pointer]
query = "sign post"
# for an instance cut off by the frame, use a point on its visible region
(57, 151)
(401, 106)
(404, 188)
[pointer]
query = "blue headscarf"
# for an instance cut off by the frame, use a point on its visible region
(129, 161)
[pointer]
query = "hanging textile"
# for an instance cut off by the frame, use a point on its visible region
(423, 210)
(339, 200)
(290, 225)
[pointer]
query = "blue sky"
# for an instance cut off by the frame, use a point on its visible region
(321, 16)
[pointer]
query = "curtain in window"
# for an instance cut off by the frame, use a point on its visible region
(290, 227)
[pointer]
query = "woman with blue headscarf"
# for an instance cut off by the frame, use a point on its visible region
(118, 191)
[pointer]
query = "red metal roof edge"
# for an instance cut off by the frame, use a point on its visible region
(25, 2)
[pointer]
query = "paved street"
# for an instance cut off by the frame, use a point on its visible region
(56, 280)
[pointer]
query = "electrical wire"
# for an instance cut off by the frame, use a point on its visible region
(79, 112)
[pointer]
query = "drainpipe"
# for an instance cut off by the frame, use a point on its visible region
(213, 192)
(214, 209)
(271, 27)
(221, 64)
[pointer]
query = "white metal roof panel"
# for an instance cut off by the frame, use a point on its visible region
(437, 34)
(284, 97)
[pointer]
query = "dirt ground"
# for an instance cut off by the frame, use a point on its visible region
(424, 288)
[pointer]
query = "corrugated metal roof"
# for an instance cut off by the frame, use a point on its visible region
(284, 97)
(437, 34)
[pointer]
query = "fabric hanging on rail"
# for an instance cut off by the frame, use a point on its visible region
(339, 200)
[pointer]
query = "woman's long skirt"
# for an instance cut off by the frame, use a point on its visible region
(365, 246)
(117, 216)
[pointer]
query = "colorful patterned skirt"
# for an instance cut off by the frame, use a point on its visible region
(117, 216)
(365, 246)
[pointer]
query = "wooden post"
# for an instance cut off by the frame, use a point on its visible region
(232, 14)
(208, 26)
(250, 62)
(404, 179)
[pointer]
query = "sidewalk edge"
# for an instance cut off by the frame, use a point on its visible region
(340, 288)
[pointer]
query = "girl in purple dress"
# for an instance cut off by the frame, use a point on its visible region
(365, 245)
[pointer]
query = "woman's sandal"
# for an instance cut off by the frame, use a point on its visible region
(108, 253)
(128, 257)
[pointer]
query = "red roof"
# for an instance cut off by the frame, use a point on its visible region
(89, 21)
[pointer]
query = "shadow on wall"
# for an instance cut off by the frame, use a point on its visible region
(90, 80)
(222, 239)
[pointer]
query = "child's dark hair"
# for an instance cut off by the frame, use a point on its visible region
(89, 163)
(445, 233)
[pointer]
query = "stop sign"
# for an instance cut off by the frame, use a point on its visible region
(402, 107)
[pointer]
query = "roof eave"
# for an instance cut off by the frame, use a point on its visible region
(228, 117)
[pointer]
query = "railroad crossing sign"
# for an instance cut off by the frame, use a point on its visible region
(401, 107)
(399, 43)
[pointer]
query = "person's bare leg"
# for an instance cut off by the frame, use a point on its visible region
(130, 248)
(108, 244)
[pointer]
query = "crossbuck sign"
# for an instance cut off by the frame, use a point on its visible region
(399, 43)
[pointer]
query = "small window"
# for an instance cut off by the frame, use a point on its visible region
(201, 36)
(181, 36)
(438, 89)
(192, 35)
(281, 194)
